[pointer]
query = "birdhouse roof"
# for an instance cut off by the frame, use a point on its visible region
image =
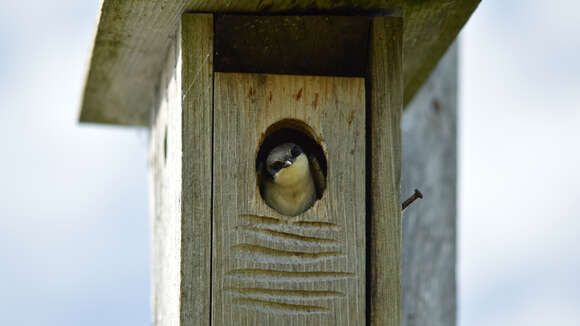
(132, 39)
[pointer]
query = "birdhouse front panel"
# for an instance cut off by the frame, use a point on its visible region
(271, 266)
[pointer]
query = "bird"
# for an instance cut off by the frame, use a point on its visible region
(292, 180)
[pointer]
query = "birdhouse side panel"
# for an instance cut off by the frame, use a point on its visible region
(165, 190)
(180, 173)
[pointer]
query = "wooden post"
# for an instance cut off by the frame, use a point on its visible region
(429, 127)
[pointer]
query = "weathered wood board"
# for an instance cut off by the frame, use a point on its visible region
(165, 168)
(132, 38)
(196, 95)
(180, 178)
(429, 129)
(269, 269)
(384, 168)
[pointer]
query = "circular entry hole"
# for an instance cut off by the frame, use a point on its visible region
(291, 167)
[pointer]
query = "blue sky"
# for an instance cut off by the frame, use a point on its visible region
(74, 223)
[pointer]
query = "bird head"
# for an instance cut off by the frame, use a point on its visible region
(286, 162)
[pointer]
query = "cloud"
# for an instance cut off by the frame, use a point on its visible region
(519, 183)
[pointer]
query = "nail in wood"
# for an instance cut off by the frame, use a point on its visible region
(411, 199)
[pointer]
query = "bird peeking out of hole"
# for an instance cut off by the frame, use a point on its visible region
(291, 179)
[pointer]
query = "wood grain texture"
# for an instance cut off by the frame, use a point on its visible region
(165, 170)
(196, 134)
(132, 38)
(269, 269)
(429, 128)
(386, 102)
(180, 169)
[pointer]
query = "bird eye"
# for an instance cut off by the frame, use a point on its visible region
(277, 166)
(295, 151)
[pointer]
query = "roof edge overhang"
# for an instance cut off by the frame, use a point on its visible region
(132, 39)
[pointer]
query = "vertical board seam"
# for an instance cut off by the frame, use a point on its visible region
(368, 189)
(212, 179)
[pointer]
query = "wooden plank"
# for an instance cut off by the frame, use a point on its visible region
(197, 105)
(429, 128)
(259, 277)
(386, 101)
(180, 172)
(165, 179)
(132, 38)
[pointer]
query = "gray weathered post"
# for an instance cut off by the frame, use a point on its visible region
(215, 87)
(429, 227)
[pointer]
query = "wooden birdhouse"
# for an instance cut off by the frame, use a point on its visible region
(220, 85)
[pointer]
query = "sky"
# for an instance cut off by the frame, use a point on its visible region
(74, 217)
(519, 186)
(74, 225)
